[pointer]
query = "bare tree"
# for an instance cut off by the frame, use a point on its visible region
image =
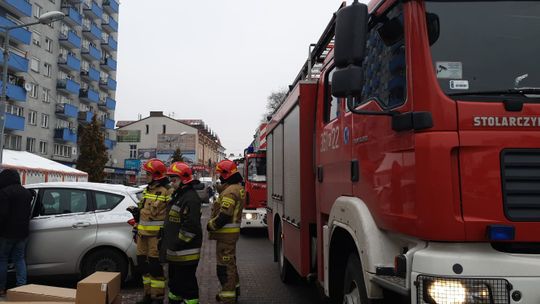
(274, 101)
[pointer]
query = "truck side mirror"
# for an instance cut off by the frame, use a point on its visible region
(351, 32)
(348, 82)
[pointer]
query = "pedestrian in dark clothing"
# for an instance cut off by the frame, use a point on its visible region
(15, 209)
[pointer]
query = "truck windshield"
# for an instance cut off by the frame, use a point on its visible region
(257, 169)
(485, 47)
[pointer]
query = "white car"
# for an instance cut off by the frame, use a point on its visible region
(80, 228)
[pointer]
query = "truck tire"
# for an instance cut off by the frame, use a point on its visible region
(354, 288)
(286, 271)
(105, 259)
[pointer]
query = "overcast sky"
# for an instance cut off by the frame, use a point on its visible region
(213, 60)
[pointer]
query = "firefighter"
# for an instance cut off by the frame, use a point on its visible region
(182, 236)
(150, 214)
(224, 227)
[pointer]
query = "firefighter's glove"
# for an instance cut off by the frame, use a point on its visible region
(135, 211)
(210, 226)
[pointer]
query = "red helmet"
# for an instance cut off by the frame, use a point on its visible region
(155, 167)
(181, 170)
(226, 168)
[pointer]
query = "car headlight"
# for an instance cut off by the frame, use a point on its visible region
(435, 290)
(250, 216)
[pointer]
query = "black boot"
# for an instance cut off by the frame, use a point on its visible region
(145, 300)
(157, 301)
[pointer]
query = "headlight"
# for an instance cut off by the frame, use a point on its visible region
(435, 290)
(249, 216)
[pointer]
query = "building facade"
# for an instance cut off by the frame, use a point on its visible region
(60, 75)
(158, 136)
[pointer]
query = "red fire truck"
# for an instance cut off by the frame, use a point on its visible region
(254, 214)
(406, 156)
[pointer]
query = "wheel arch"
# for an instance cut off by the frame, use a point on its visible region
(352, 229)
(98, 248)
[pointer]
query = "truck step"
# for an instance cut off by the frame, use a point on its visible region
(393, 283)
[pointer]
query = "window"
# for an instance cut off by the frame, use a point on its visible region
(384, 64)
(48, 44)
(331, 105)
(62, 150)
(43, 147)
(30, 144)
(34, 64)
(132, 151)
(61, 124)
(37, 10)
(33, 90)
(147, 129)
(15, 110)
(257, 169)
(164, 129)
(12, 142)
(32, 117)
(46, 95)
(48, 69)
(63, 201)
(36, 38)
(44, 121)
(107, 201)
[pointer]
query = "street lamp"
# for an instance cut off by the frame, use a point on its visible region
(43, 19)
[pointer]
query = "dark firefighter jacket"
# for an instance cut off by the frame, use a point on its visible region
(15, 206)
(182, 232)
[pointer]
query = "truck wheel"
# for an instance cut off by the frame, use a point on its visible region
(354, 289)
(286, 272)
(105, 260)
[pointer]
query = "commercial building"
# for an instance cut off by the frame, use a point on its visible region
(158, 136)
(60, 75)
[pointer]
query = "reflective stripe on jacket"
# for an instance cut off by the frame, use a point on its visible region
(153, 208)
(230, 205)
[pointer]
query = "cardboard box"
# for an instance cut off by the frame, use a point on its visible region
(41, 293)
(10, 302)
(98, 288)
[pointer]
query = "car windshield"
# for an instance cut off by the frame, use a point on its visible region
(485, 46)
(257, 169)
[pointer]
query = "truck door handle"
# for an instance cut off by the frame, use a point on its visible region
(320, 174)
(355, 171)
(80, 225)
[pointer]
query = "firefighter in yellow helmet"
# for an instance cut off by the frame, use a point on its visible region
(224, 227)
(150, 215)
(182, 236)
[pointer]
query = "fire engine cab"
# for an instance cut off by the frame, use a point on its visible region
(406, 157)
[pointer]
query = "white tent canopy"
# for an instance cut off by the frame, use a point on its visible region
(34, 168)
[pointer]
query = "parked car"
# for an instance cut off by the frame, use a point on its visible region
(202, 189)
(80, 228)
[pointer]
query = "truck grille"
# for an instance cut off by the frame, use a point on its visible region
(520, 174)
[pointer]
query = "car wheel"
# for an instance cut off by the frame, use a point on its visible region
(354, 288)
(105, 259)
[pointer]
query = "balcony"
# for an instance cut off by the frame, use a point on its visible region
(108, 64)
(109, 25)
(91, 53)
(66, 110)
(70, 40)
(15, 62)
(92, 32)
(110, 45)
(68, 86)
(20, 35)
(89, 95)
(15, 92)
(110, 6)
(14, 122)
(69, 62)
(90, 74)
(109, 144)
(109, 84)
(65, 134)
(109, 124)
(86, 117)
(73, 17)
(20, 8)
(93, 10)
(110, 103)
